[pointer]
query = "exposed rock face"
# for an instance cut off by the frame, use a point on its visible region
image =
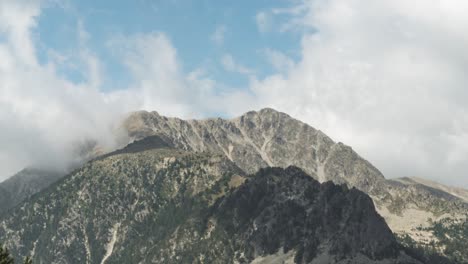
(23, 185)
(270, 138)
(260, 139)
(285, 209)
(162, 205)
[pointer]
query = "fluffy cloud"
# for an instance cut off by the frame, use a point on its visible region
(46, 118)
(231, 65)
(387, 77)
(160, 83)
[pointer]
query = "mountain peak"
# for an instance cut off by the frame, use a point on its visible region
(266, 112)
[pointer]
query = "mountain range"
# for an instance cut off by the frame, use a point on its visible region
(259, 188)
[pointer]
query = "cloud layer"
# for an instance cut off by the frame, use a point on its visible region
(45, 118)
(386, 77)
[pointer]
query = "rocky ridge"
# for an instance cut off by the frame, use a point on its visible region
(271, 138)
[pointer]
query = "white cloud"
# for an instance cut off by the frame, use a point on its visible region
(160, 84)
(16, 18)
(264, 21)
(232, 66)
(387, 77)
(218, 35)
(278, 60)
(44, 116)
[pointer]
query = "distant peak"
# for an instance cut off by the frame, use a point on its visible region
(268, 110)
(265, 112)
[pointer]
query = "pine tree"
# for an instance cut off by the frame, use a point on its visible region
(5, 257)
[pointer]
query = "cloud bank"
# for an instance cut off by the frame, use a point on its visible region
(386, 77)
(45, 118)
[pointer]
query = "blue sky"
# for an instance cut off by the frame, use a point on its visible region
(190, 26)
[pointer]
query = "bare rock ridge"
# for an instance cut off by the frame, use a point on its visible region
(166, 205)
(261, 139)
(270, 138)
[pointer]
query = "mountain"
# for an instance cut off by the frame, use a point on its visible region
(419, 212)
(31, 180)
(270, 138)
(24, 184)
(153, 203)
(427, 184)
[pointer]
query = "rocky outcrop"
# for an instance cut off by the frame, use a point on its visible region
(284, 209)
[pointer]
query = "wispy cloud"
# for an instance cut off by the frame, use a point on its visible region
(264, 21)
(231, 65)
(218, 35)
(278, 60)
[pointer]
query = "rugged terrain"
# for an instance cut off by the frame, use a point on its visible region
(152, 203)
(271, 138)
(413, 208)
